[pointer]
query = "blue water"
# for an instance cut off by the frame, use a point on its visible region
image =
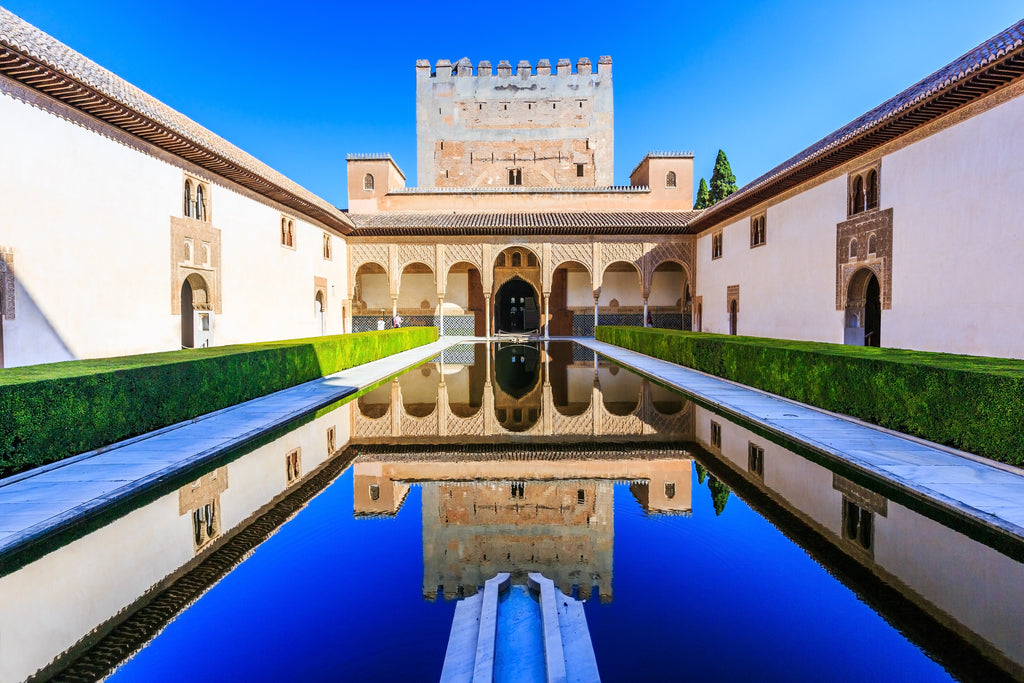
(706, 597)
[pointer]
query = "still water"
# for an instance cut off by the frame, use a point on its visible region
(337, 549)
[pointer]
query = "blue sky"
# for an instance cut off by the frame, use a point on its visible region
(300, 85)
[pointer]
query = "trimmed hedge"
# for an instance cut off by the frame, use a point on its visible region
(973, 403)
(56, 410)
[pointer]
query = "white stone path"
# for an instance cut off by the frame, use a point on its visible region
(970, 485)
(42, 501)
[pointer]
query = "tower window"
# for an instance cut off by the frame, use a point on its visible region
(368, 182)
(670, 179)
(579, 170)
(515, 176)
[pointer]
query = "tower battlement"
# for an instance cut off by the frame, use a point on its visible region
(539, 125)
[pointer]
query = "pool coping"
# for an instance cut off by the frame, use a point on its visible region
(965, 499)
(88, 484)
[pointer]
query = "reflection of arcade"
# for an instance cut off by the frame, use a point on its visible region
(476, 392)
(531, 509)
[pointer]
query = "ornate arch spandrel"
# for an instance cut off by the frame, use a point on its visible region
(676, 252)
(561, 253)
(462, 253)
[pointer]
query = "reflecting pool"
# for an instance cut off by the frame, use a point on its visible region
(337, 548)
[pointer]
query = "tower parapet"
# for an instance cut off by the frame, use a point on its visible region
(514, 125)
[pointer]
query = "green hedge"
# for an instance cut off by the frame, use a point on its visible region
(972, 403)
(57, 410)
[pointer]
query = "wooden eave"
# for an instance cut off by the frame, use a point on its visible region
(52, 83)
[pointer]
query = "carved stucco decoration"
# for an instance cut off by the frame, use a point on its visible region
(678, 252)
(580, 252)
(861, 228)
(458, 253)
(417, 253)
(362, 254)
(7, 284)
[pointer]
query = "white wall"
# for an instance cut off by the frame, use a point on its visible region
(957, 248)
(88, 218)
(625, 287)
(956, 204)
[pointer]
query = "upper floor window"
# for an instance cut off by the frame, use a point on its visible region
(517, 259)
(195, 200)
(368, 182)
(670, 179)
(863, 191)
(853, 249)
(716, 245)
(872, 245)
(327, 247)
(515, 176)
(579, 170)
(287, 232)
(757, 230)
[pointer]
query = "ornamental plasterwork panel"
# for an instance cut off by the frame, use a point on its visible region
(372, 428)
(7, 284)
(630, 252)
(862, 228)
(419, 426)
(361, 254)
(576, 425)
(576, 251)
(456, 253)
(678, 252)
(466, 426)
(417, 253)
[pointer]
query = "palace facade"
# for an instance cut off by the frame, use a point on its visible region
(129, 228)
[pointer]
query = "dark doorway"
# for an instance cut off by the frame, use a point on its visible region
(872, 313)
(734, 314)
(516, 307)
(188, 339)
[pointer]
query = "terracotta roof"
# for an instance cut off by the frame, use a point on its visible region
(31, 57)
(541, 223)
(991, 65)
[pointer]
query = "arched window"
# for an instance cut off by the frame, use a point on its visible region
(871, 245)
(500, 263)
(872, 190)
(857, 196)
(200, 203)
(188, 199)
(284, 230)
(188, 251)
(517, 259)
(853, 248)
(368, 182)
(670, 179)
(531, 259)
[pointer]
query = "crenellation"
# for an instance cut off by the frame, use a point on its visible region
(487, 123)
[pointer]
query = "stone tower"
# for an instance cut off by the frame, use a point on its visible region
(497, 128)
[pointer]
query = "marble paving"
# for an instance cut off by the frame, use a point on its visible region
(984, 490)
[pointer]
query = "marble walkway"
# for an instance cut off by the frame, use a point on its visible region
(989, 492)
(43, 501)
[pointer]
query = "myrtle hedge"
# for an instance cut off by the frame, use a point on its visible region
(57, 410)
(972, 403)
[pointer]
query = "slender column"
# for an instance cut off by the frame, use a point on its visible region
(595, 315)
(487, 314)
(440, 316)
(394, 306)
(547, 315)
(643, 323)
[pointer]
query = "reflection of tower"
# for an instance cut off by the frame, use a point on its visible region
(563, 529)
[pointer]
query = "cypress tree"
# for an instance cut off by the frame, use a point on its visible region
(723, 182)
(703, 196)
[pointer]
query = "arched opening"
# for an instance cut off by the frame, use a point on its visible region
(872, 245)
(665, 401)
(622, 300)
(419, 390)
(872, 190)
(200, 203)
(572, 295)
(464, 301)
(857, 195)
(374, 404)
(196, 314)
(734, 312)
(368, 182)
(417, 296)
(188, 199)
(319, 310)
(853, 249)
(517, 374)
(670, 179)
(863, 316)
(669, 302)
(371, 299)
(516, 307)
(620, 389)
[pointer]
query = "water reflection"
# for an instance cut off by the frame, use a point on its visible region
(519, 510)
(476, 392)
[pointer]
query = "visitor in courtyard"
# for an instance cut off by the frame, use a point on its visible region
(396, 321)
(380, 324)
(650, 320)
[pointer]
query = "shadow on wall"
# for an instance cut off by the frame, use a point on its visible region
(28, 337)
